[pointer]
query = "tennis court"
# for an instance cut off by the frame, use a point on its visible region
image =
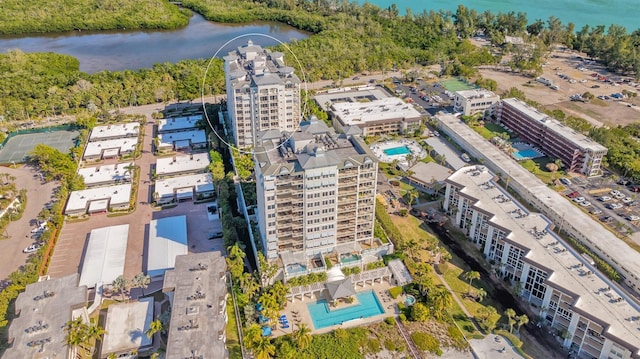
(454, 85)
(16, 147)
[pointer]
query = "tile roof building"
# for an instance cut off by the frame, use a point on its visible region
(263, 93)
(316, 194)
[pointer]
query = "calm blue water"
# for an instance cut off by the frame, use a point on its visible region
(580, 12)
(322, 317)
(526, 154)
(402, 150)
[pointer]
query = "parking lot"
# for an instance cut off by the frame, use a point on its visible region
(429, 97)
(611, 202)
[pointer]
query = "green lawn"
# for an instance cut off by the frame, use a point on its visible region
(537, 167)
(233, 341)
(488, 130)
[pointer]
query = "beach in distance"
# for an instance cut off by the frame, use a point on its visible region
(580, 12)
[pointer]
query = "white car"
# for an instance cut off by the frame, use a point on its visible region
(565, 181)
(615, 192)
(595, 211)
(627, 200)
(614, 206)
(585, 204)
(604, 199)
(32, 248)
(619, 196)
(633, 218)
(579, 199)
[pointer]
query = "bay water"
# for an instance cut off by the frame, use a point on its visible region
(580, 12)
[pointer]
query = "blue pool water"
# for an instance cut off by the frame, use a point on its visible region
(525, 154)
(322, 317)
(402, 150)
(296, 268)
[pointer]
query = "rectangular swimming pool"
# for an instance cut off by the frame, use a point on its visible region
(526, 154)
(402, 150)
(322, 317)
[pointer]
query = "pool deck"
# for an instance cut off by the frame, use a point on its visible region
(298, 311)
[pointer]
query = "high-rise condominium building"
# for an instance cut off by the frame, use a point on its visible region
(316, 192)
(262, 93)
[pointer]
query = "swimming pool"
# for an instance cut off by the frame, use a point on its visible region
(526, 154)
(393, 151)
(322, 317)
(296, 268)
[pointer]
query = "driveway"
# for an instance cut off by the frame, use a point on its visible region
(494, 347)
(38, 193)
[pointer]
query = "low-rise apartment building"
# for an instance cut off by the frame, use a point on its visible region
(183, 188)
(595, 318)
(112, 132)
(182, 140)
(99, 199)
(106, 175)
(182, 165)
(316, 194)
(577, 152)
(180, 123)
(470, 102)
(109, 149)
(370, 109)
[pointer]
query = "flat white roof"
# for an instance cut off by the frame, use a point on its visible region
(118, 194)
(130, 129)
(105, 173)
(566, 267)
(201, 182)
(570, 134)
(179, 164)
(169, 138)
(178, 123)
(476, 94)
(123, 144)
(167, 239)
(619, 251)
(105, 255)
(358, 113)
(126, 325)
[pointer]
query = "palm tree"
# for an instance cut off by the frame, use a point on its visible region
(252, 335)
(80, 335)
(128, 170)
(442, 300)
(471, 276)
(154, 327)
(481, 294)
(485, 314)
(303, 336)
(249, 284)
(120, 285)
(141, 280)
(413, 195)
(264, 349)
(511, 314)
(521, 320)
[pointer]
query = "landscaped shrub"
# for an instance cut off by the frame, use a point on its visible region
(390, 320)
(402, 317)
(373, 345)
(395, 292)
(426, 342)
(390, 345)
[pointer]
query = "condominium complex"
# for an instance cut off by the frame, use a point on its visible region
(595, 318)
(262, 93)
(571, 219)
(470, 102)
(197, 289)
(577, 152)
(371, 109)
(316, 192)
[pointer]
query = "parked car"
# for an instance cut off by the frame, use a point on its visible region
(585, 203)
(565, 181)
(573, 194)
(604, 199)
(606, 219)
(619, 196)
(627, 200)
(595, 211)
(579, 199)
(632, 204)
(32, 248)
(614, 206)
(615, 192)
(633, 218)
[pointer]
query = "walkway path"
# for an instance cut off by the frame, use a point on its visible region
(413, 350)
